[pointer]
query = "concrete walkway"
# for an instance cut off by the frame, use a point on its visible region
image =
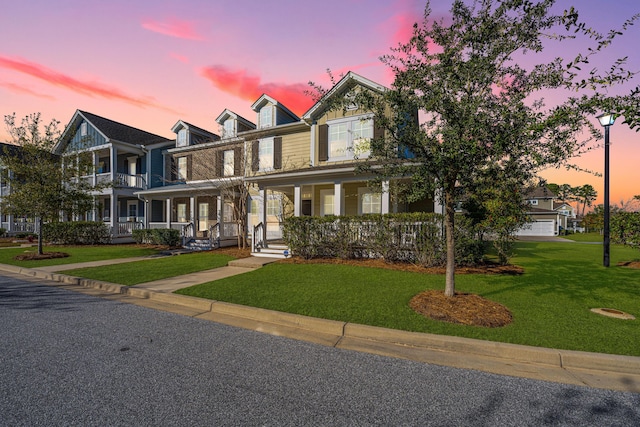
(568, 367)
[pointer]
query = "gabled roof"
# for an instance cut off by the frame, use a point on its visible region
(111, 130)
(540, 192)
(345, 84)
(182, 124)
(265, 99)
(230, 114)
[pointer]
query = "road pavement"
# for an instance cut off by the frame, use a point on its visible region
(74, 359)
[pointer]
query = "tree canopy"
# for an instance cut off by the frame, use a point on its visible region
(43, 186)
(484, 127)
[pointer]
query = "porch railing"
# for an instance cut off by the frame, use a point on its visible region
(127, 180)
(126, 228)
(187, 232)
(258, 241)
(214, 235)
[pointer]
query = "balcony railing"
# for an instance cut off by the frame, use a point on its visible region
(121, 180)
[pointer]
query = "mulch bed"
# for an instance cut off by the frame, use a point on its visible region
(465, 309)
(630, 264)
(33, 256)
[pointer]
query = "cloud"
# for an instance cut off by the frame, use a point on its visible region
(25, 90)
(87, 88)
(179, 57)
(173, 28)
(249, 87)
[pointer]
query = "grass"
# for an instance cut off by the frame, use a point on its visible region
(585, 237)
(550, 303)
(133, 273)
(76, 254)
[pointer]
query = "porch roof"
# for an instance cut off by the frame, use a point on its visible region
(192, 187)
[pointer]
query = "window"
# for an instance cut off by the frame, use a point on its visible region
(229, 130)
(83, 129)
(369, 202)
(349, 138)
(228, 159)
(132, 210)
(533, 202)
(182, 168)
(181, 211)
(326, 202)
(265, 154)
(182, 138)
(274, 207)
(266, 117)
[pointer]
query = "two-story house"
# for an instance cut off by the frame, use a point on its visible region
(199, 190)
(308, 166)
(125, 159)
(549, 216)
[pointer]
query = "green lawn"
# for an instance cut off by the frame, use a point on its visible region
(76, 254)
(132, 273)
(550, 302)
(585, 237)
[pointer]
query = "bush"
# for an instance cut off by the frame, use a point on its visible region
(76, 233)
(414, 237)
(625, 229)
(157, 236)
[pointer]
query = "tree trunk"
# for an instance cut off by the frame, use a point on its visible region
(449, 223)
(40, 250)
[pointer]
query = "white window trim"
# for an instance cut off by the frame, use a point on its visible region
(229, 128)
(323, 194)
(182, 138)
(361, 192)
(228, 167)
(181, 173)
(271, 110)
(261, 167)
(349, 151)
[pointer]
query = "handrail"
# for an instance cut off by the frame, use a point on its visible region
(258, 241)
(214, 235)
(187, 233)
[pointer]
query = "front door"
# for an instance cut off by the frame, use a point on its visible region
(203, 217)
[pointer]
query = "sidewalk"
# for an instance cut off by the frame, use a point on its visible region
(605, 371)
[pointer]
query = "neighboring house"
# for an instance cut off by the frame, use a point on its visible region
(549, 217)
(126, 158)
(202, 171)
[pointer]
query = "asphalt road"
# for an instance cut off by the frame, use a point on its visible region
(72, 359)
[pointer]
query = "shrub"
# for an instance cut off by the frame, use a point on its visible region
(157, 236)
(414, 237)
(625, 228)
(76, 233)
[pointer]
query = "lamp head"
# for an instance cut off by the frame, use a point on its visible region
(606, 119)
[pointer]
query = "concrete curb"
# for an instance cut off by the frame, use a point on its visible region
(570, 367)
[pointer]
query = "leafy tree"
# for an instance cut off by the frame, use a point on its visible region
(483, 116)
(42, 185)
(585, 195)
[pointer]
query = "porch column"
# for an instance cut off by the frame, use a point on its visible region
(96, 160)
(337, 198)
(385, 198)
(113, 156)
(297, 200)
(113, 219)
(168, 212)
(219, 214)
(192, 209)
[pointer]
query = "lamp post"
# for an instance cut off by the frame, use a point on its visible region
(606, 120)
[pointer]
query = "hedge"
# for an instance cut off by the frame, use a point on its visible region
(415, 237)
(625, 228)
(76, 233)
(157, 236)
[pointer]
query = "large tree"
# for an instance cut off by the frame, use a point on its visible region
(585, 195)
(42, 186)
(483, 116)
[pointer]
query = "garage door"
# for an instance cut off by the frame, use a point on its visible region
(543, 227)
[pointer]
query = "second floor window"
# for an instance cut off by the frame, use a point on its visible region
(181, 172)
(346, 139)
(182, 138)
(265, 155)
(228, 160)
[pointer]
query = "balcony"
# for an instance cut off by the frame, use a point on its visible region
(122, 180)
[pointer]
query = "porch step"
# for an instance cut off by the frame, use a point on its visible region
(198, 245)
(273, 251)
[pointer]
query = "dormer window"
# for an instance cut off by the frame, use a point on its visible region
(266, 116)
(182, 138)
(229, 129)
(533, 202)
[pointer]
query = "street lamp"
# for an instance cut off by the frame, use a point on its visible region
(606, 120)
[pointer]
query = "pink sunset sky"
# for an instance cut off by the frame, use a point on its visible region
(149, 64)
